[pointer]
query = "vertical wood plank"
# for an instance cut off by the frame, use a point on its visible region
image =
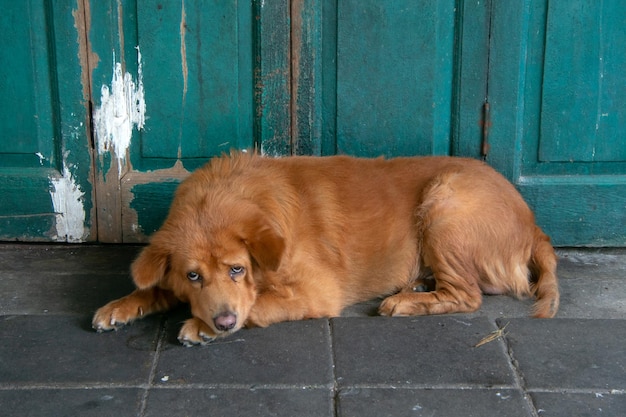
(272, 76)
(471, 67)
(106, 45)
(306, 80)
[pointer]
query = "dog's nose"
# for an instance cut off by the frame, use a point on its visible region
(225, 321)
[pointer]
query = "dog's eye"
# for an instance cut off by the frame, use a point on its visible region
(193, 276)
(236, 271)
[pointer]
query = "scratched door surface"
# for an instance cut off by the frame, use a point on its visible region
(45, 192)
(558, 114)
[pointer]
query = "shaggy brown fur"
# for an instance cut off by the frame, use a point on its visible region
(251, 241)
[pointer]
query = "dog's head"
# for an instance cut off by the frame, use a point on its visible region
(211, 254)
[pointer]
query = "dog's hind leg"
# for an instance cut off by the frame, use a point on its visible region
(452, 294)
(448, 282)
(445, 244)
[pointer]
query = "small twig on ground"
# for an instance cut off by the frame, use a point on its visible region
(496, 334)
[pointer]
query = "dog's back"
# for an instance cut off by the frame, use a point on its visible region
(371, 225)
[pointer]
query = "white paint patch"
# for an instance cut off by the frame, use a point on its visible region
(122, 108)
(67, 199)
(41, 157)
(264, 152)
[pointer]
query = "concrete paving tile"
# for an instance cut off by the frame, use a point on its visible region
(549, 404)
(436, 402)
(434, 351)
(240, 402)
(569, 353)
(592, 283)
(291, 353)
(67, 258)
(592, 263)
(593, 297)
(49, 293)
(70, 402)
(64, 350)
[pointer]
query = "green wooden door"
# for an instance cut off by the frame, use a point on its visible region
(45, 188)
(558, 115)
(109, 107)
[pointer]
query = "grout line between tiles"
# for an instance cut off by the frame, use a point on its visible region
(335, 388)
(595, 391)
(251, 387)
(520, 382)
(225, 386)
(69, 386)
(161, 335)
(434, 387)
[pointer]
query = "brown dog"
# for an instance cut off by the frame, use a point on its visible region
(251, 241)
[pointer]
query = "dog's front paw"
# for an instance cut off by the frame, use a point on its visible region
(116, 314)
(195, 332)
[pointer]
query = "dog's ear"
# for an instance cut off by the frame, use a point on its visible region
(150, 266)
(265, 244)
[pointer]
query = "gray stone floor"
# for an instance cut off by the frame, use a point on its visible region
(53, 364)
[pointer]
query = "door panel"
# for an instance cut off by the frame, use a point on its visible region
(555, 77)
(582, 106)
(197, 68)
(44, 151)
(26, 89)
(392, 72)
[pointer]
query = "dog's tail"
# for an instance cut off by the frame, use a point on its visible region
(545, 285)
